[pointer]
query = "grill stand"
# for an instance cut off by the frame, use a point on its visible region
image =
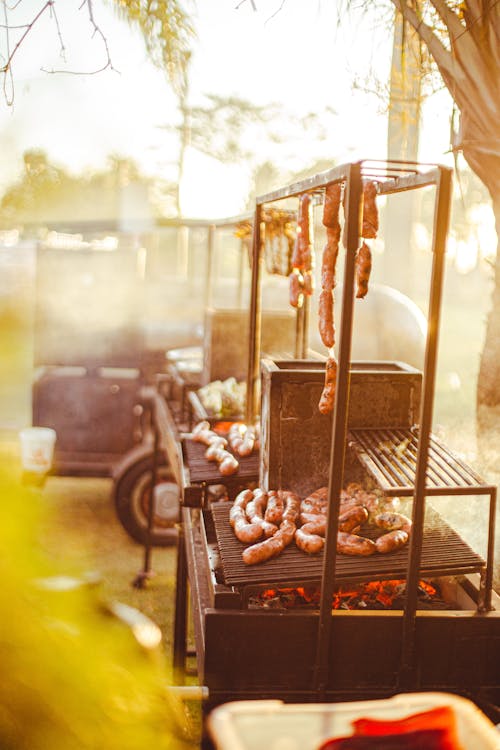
(396, 176)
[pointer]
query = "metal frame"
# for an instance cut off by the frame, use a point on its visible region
(392, 177)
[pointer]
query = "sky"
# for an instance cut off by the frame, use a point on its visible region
(291, 53)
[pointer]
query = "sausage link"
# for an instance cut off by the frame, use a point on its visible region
(244, 531)
(331, 204)
(352, 544)
(248, 442)
(352, 518)
(329, 260)
(308, 539)
(292, 505)
(326, 325)
(295, 289)
(327, 400)
(255, 513)
(391, 541)
(274, 509)
(393, 522)
(363, 270)
(306, 517)
(271, 547)
(370, 212)
(308, 285)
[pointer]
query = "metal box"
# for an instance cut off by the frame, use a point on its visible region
(94, 414)
(296, 437)
(225, 350)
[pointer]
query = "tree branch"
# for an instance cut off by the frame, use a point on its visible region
(5, 68)
(449, 18)
(96, 31)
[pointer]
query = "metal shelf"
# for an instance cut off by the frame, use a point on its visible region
(390, 457)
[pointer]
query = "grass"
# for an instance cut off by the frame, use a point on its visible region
(81, 533)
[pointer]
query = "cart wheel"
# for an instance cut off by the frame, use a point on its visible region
(132, 495)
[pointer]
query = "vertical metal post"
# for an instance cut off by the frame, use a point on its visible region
(210, 270)
(140, 580)
(337, 454)
(255, 320)
(305, 326)
(299, 332)
(180, 617)
(441, 222)
(241, 269)
(485, 606)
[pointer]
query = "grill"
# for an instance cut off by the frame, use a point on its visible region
(203, 471)
(443, 553)
(390, 457)
(298, 655)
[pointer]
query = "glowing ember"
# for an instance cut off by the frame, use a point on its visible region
(372, 595)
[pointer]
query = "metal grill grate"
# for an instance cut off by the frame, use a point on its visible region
(443, 553)
(201, 470)
(390, 457)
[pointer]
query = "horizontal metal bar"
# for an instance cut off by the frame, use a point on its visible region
(394, 184)
(200, 223)
(336, 174)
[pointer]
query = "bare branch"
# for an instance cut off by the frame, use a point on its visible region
(10, 57)
(96, 31)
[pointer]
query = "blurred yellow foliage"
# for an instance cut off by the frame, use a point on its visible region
(72, 675)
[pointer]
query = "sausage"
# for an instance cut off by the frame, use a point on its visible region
(214, 450)
(317, 497)
(363, 270)
(292, 505)
(255, 513)
(309, 517)
(353, 518)
(327, 400)
(325, 318)
(331, 204)
(244, 531)
(200, 427)
(295, 289)
(352, 544)
(369, 227)
(308, 285)
(391, 541)
(348, 519)
(271, 547)
(248, 442)
(274, 509)
(329, 259)
(235, 435)
(301, 256)
(239, 505)
(309, 539)
(393, 522)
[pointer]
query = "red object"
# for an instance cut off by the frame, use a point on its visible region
(428, 730)
(422, 739)
(437, 718)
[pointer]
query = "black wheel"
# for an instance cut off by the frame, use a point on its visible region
(132, 495)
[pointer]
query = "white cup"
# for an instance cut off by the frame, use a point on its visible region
(37, 448)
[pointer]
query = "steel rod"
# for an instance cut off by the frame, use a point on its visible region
(353, 205)
(210, 270)
(490, 559)
(255, 319)
(441, 222)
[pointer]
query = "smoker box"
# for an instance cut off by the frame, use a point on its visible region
(225, 349)
(296, 437)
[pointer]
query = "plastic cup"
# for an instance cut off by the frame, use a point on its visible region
(37, 448)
